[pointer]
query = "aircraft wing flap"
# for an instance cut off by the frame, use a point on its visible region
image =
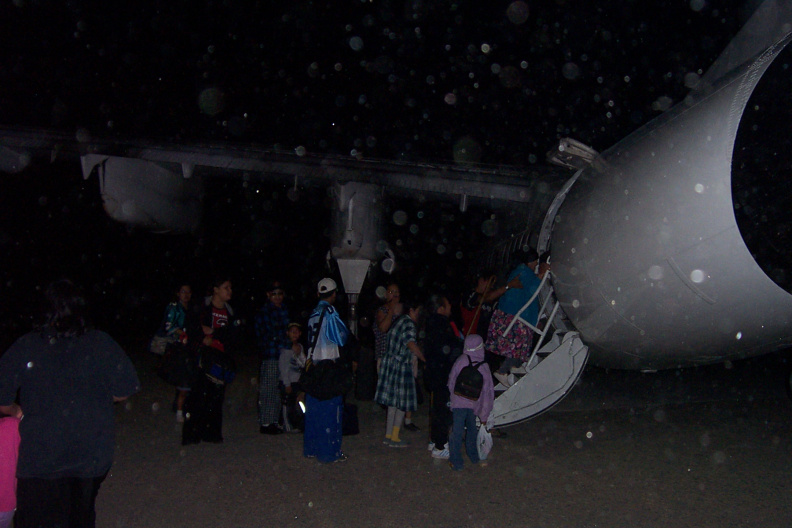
(490, 183)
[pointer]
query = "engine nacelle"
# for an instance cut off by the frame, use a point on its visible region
(650, 262)
(147, 194)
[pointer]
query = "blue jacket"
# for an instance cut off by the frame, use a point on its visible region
(332, 335)
(515, 298)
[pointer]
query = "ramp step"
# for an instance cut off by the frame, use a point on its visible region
(543, 383)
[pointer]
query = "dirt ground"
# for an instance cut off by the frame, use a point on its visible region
(704, 462)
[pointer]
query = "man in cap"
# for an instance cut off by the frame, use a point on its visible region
(326, 333)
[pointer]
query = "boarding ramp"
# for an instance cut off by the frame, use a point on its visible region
(552, 369)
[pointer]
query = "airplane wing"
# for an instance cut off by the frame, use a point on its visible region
(137, 173)
(486, 182)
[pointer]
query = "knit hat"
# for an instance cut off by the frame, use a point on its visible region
(473, 342)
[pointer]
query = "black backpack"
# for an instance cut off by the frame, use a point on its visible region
(469, 382)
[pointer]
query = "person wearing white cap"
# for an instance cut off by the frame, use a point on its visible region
(322, 437)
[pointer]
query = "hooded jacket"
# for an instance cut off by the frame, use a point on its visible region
(473, 349)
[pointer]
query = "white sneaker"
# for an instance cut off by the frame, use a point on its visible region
(503, 379)
(179, 417)
(441, 453)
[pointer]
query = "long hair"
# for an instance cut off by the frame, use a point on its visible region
(65, 311)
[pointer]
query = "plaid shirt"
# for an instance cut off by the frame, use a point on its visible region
(396, 385)
(271, 323)
(402, 333)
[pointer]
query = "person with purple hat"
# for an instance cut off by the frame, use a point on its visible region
(464, 408)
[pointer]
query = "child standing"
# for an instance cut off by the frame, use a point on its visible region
(290, 365)
(466, 410)
(9, 449)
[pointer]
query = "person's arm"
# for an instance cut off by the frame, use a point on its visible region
(454, 373)
(494, 295)
(452, 339)
(172, 316)
(121, 375)
(283, 340)
(205, 319)
(487, 397)
(260, 327)
(416, 350)
(208, 335)
(284, 361)
(385, 318)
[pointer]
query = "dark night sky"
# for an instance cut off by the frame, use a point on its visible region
(392, 80)
(411, 80)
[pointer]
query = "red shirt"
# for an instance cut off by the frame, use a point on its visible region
(218, 318)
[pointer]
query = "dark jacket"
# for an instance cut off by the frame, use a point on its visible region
(441, 349)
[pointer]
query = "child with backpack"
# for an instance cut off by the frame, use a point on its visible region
(472, 395)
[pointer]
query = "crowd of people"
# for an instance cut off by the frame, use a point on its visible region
(64, 377)
(410, 338)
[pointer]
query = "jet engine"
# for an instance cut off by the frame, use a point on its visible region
(147, 194)
(673, 247)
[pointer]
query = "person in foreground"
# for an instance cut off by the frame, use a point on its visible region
(465, 410)
(68, 376)
(326, 332)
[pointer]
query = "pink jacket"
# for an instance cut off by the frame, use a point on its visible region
(474, 349)
(9, 449)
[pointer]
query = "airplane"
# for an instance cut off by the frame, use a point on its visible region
(669, 249)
